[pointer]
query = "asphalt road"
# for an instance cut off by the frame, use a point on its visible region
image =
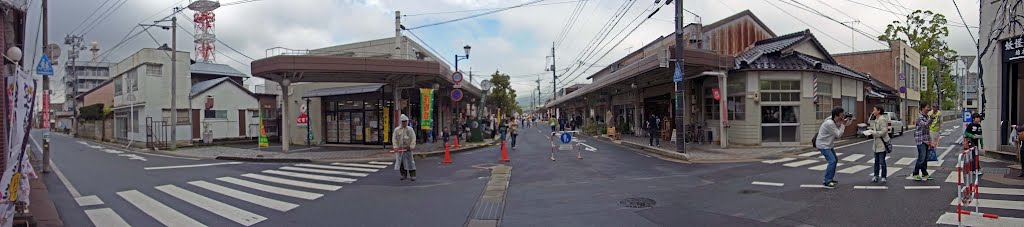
(565, 192)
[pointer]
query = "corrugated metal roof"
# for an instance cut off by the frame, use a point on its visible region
(216, 69)
(343, 90)
(205, 85)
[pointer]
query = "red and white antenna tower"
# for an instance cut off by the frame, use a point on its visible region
(204, 37)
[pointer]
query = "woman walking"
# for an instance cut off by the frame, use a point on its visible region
(514, 130)
(880, 131)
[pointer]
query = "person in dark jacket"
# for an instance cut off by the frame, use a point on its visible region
(654, 126)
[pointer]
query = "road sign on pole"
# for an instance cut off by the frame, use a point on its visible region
(967, 116)
(44, 67)
(457, 77)
(456, 94)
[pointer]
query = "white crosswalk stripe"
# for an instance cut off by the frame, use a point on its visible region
(360, 165)
(823, 166)
(970, 220)
(272, 189)
(240, 216)
(324, 171)
(995, 203)
(799, 163)
(349, 168)
(853, 157)
(889, 171)
(778, 160)
(989, 205)
(853, 169)
(381, 163)
(165, 215)
(311, 176)
(808, 154)
(105, 217)
(905, 161)
(1001, 191)
(872, 160)
(296, 183)
(245, 196)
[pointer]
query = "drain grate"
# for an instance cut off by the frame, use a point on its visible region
(637, 202)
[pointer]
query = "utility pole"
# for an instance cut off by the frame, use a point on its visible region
(46, 93)
(174, 74)
(554, 75)
(680, 100)
(76, 45)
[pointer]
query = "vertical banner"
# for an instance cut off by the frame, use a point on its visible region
(386, 124)
(21, 91)
(263, 142)
(426, 107)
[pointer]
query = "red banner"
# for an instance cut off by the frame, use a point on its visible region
(45, 120)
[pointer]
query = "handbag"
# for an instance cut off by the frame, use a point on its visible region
(932, 156)
(888, 147)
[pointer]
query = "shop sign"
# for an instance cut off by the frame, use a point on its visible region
(386, 124)
(1013, 48)
(716, 94)
(426, 107)
(303, 119)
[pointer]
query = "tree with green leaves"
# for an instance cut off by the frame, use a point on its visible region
(925, 31)
(501, 94)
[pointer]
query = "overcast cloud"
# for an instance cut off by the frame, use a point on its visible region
(515, 41)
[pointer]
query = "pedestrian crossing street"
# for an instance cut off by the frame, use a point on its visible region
(851, 164)
(306, 182)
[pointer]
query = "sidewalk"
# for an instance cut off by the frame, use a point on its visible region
(713, 153)
(311, 154)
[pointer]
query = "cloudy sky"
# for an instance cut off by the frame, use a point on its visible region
(515, 41)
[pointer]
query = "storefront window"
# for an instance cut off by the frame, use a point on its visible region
(711, 109)
(736, 100)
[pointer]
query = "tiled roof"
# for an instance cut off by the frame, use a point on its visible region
(767, 54)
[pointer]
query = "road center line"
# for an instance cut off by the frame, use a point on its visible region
(60, 175)
(190, 166)
(767, 183)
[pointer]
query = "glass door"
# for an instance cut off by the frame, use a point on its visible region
(372, 127)
(779, 124)
(357, 127)
(331, 123)
(345, 127)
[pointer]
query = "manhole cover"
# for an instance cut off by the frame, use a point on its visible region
(638, 202)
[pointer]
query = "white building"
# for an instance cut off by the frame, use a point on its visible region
(228, 110)
(142, 97)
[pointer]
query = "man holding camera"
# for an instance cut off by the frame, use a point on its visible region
(828, 133)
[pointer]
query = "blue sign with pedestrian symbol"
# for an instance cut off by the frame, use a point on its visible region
(967, 116)
(44, 67)
(566, 137)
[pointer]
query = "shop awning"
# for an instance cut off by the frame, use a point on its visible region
(344, 90)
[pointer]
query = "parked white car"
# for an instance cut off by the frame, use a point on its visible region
(895, 123)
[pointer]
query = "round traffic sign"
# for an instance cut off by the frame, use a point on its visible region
(903, 77)
(903, 89)
(457, 77)
(456, 94)
(566, 137)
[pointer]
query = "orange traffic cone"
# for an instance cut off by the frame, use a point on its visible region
(504, 153)
(447, 155)
(456, 141)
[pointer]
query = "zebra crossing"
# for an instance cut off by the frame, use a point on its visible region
(991, 200)
(298, 181)
(849, 163)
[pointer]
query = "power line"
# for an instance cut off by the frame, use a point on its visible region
(601, 34)
(965, 22)
(904, 15)
(808, 24)
(848, 15)
(476, 10)
(101, 19)
(428, 46)
(624, 37)
(475, 15)
(814, 11)
(602, 46)
(570, 22)
(90, 16)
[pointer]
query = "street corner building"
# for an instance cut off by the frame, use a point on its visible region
(354, 93)
(1001, 70)
(745, 86)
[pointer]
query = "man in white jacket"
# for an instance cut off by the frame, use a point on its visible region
(403, 140)
(828, 133)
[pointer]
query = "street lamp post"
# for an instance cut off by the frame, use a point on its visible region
(458, 58)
